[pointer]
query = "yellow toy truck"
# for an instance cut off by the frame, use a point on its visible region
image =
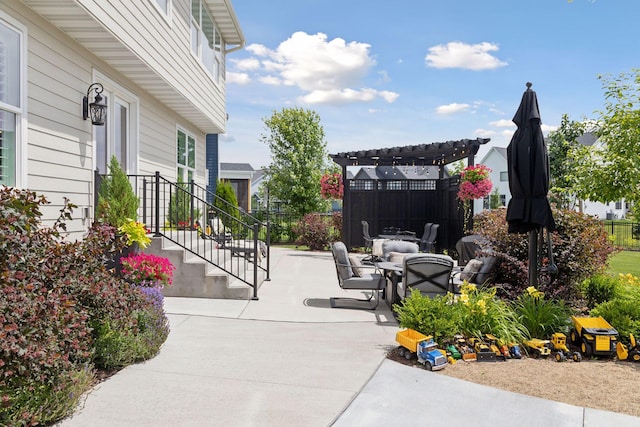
(558, 345)
(594, 336)
(631, 353)
(538, 348)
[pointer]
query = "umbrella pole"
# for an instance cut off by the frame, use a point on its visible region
(533, 257)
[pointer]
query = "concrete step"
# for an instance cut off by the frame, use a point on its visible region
(196, 278)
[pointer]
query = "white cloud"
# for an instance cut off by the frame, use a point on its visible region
(474, 57)
(225, 137)
(328, 71)
(452, 108)
(343, 96)
(548, 128)
(238, 78)
(247, 64)
(483, 133)
(271, 80)
(503, 123)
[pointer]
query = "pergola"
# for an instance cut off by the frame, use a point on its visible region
(408, 205)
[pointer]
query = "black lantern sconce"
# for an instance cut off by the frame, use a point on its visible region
(97, 110)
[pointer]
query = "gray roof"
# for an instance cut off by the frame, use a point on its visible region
(398, 172)
(587, 138)
(236, 167)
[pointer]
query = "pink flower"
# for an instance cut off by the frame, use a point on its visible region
(148, 270)
(474, 183)
(331, 186)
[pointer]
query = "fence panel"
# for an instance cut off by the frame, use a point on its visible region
(623, 234)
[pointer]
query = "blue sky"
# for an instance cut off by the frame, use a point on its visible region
(387, 74)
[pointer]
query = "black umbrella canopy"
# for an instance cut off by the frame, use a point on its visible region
(528, 169)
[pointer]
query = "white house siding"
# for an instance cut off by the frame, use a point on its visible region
(497, 163)
(60, 143)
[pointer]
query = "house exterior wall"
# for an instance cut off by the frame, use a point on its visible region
(59, 146)
(498, 165)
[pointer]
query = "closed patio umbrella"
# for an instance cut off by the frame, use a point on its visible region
(528, 168)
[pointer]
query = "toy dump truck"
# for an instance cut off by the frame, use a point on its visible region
(558, 346)
(538, 348)
(631, 353)
(484, 353)
(424, 347)
(594, 336)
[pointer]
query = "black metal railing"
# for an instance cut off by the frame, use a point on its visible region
(181, 213)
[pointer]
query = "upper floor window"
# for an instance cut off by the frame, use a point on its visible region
(206, 41)
(11, 106)
(164, 5)
(504, 176)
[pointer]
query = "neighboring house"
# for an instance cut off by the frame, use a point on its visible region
(400, 172)
(496, 160)
(239, 176)
(161, 64)
(256, 182)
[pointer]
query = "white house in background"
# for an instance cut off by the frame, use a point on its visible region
(496, 160)
(161, 64)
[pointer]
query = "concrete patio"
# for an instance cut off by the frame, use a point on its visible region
(288, 359)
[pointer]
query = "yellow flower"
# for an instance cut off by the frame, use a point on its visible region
(464, 298)
(483, 306)
(533, 292)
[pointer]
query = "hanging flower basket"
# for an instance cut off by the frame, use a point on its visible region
(474, 183)
(331, 186)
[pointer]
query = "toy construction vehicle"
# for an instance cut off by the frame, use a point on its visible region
(483, 351)
(514, 351)
(538, 348)
(558, 345)
(466, 350)
(493, 345)
(594, 336)
(631, 353)
(424, 348)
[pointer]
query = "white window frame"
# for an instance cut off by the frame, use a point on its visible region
(113, 91)
(21, 111)
(186, 167)
(218, 64)
(166, 14)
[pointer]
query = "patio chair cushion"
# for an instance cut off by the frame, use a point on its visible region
(356, 265)
(342, 260)
(398, 246)
(471, 270)
(487, 272)
(397, 257)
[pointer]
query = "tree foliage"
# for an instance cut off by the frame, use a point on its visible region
(227, 202)
(611, 171)
(561, 143)
(117, 202)
(298, 159)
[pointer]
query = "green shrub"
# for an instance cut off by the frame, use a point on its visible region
(541, 317)
(580, 248)
(117, 202)
(313, 230)
(480, 312)
(227, 202)
(623, 311)
(599, 288)
(429, 316)
(179, 214)
(51, 292)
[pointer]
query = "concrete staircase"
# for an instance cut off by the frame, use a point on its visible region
(197, 278)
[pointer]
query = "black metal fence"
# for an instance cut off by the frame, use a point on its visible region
(623, 234)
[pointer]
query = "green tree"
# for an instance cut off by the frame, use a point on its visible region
(494, 199)
(561, 143)
(180, 206)
(611, 170)
(117, 202)
(298, 159)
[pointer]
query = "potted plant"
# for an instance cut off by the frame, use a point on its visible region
(135, 233)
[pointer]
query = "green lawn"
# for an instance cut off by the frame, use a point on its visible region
(625, 262)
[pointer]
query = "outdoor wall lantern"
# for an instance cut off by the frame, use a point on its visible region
(97, 110)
